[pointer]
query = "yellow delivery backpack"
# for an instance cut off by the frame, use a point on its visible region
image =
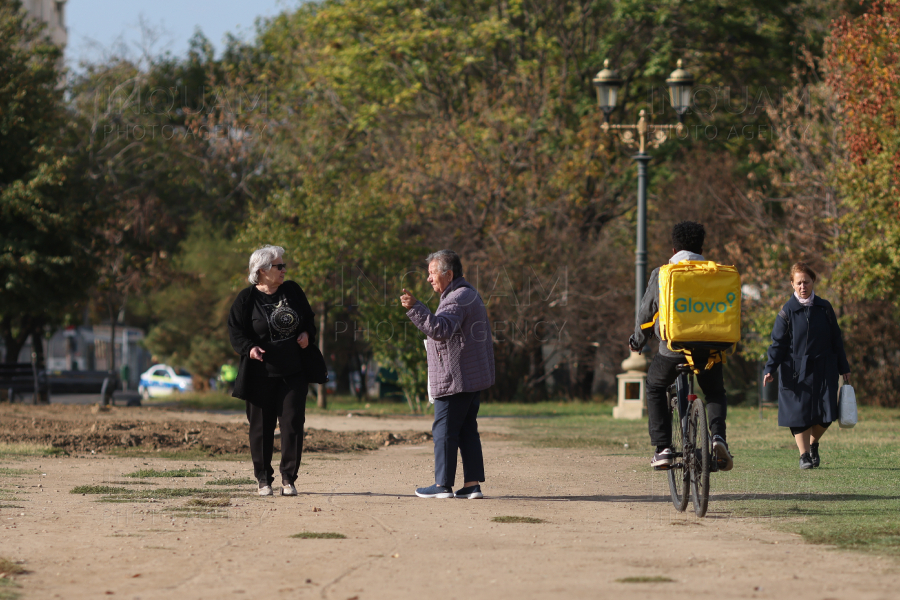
(699, 307)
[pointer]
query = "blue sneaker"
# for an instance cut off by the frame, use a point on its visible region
(434, 491)
(473, 492)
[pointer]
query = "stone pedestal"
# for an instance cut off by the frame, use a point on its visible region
(632, 397)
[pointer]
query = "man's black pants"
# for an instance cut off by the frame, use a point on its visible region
(284, 401)
(456, 428)
(661, 375)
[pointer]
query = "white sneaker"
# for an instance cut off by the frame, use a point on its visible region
(723, 456)
(288, 490)
(265, 490)
(662, 460)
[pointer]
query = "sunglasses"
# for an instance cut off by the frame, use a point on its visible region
(280, 266)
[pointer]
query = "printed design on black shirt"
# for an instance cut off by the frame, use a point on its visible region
(283, 321)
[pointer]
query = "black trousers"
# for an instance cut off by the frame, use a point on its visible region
(661, 375)
(284, 401)
(456, 428)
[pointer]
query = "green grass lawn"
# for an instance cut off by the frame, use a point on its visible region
(344, 404)
(851, 501)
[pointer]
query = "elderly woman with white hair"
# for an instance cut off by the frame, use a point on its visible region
(460, 354)
(270, 325)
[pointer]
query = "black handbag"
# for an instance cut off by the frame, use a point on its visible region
(313, 364)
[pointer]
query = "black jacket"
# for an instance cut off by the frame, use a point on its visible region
(243, 338)
(808, 351)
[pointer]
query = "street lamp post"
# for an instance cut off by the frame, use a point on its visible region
(641, 134)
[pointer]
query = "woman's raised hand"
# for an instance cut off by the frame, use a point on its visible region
(407, 300)
(256, 353)
(303, 340)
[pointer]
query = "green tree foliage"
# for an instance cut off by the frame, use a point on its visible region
(473, 124)
(163, 142)
(45, 248)
(192, 309)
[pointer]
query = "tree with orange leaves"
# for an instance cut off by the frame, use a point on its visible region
(864, 70)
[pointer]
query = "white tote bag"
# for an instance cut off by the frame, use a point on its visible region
(427, 376)
(847, 416)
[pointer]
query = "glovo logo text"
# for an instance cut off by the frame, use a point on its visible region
(699, 306)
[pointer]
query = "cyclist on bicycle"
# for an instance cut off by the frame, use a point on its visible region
(687, 244)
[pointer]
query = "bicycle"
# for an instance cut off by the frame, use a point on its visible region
(691, 443)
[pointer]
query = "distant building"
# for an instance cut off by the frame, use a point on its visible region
(53, 13)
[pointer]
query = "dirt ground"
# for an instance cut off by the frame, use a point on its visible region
(91, 429)
(606, 519)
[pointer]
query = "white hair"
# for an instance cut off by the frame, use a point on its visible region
(262, 260)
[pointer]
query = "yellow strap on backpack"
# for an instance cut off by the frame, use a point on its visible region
(652, 321)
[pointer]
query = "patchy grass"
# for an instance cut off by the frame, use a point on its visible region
(122, 494)
(27, 449)
(9, 589)
(187, 512)
(509, 519)
(192, 455)
(138, 482)
(6, 472)
(646, 579)
(146, 473)
(310, 535)
(98, 489)
(214, 502)
(10, 567)
(200, 401)
(227, 481)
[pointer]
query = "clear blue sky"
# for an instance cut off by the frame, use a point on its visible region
(96, 26)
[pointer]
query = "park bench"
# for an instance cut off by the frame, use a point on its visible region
(18, 379)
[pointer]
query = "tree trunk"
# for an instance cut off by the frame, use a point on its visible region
(37, 348)
(536, 390)
(321, 400)
(14, 342)
(111, 361)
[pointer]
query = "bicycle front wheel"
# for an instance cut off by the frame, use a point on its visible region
(679, 474)
(701, 457)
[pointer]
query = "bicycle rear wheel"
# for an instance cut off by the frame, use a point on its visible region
(679, 474)
(700, 464)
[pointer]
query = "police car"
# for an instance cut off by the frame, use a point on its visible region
(163, 380)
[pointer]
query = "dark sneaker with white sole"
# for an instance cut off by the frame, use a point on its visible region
(805, 461)
(724, 460)
(814, 454)
(434, 491)
(473, 492)
(663, 459)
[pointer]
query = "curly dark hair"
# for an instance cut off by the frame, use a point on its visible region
(689, 236)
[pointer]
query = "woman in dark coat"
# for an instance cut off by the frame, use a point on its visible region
(808, 351)
(270, 324)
